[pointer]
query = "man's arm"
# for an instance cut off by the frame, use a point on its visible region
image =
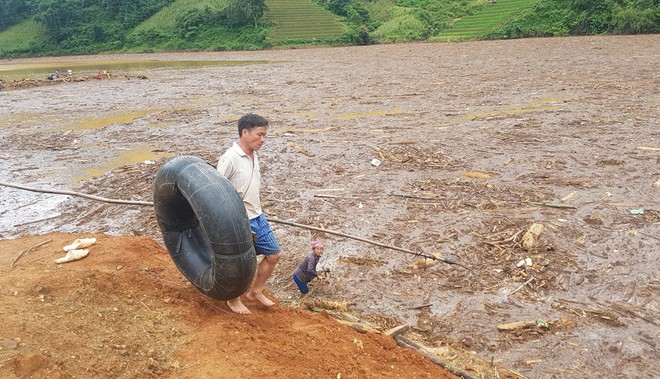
(225, 167)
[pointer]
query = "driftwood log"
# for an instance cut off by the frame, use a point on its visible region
(406, 342)
(517, 325)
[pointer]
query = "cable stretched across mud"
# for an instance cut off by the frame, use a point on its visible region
(297, 225)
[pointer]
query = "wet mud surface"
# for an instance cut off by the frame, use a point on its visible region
(477, 141)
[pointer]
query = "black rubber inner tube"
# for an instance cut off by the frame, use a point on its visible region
(205, 227)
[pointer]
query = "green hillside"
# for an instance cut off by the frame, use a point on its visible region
(21, 37)
(301, 20)
(165, 19)
(493, 15)
(68, 27)
(163, 30)
(292, 21)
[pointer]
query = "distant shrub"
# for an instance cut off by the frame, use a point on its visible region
(357, 35)
(384, 10)
(542, 20)
(629, 20)
(402, 28)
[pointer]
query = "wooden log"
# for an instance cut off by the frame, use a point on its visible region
(397, 330)
(517, 325)
(359, 327)
(416, 346)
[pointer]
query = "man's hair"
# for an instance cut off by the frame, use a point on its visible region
(250, 121)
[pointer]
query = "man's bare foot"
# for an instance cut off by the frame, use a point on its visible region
(260, 297)
(237, 306)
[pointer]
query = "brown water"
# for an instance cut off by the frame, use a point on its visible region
(38, 70)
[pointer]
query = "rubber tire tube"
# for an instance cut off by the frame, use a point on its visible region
(205, 227)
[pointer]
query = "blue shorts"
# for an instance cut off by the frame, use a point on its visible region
(266, 244)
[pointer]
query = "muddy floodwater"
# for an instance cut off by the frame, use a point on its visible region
(475, 142)
(107, 67)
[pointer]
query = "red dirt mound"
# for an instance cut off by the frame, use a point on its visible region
(126, 311)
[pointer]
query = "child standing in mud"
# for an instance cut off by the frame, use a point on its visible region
(306, 270)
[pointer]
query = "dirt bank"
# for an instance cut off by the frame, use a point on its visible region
(124, 311)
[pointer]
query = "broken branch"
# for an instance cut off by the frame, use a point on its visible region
(28, 250)
(420, 306)
(552, 205)
(410, 344)
(521, 286)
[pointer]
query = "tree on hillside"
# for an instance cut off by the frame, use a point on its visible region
(132, 12)
(59, 18)
(607, 16)
(639, 16)
(12, 12)
(245, 12)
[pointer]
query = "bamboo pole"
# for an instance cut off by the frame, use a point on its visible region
(79, 194)
(303, 226)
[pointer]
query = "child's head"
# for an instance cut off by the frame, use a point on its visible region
(317, 247)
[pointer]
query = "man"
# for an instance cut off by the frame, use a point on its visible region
(240, 165)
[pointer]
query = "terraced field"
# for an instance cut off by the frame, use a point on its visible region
(481, 23)
(165, 19)
(301, 20)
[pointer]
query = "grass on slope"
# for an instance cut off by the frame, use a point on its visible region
(160, 32)
(396, 23)
(160, 29)
(21, 37)
(165, 19)
(301, 20)
(492, 16)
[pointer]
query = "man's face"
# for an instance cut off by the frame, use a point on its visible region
(254, 138)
